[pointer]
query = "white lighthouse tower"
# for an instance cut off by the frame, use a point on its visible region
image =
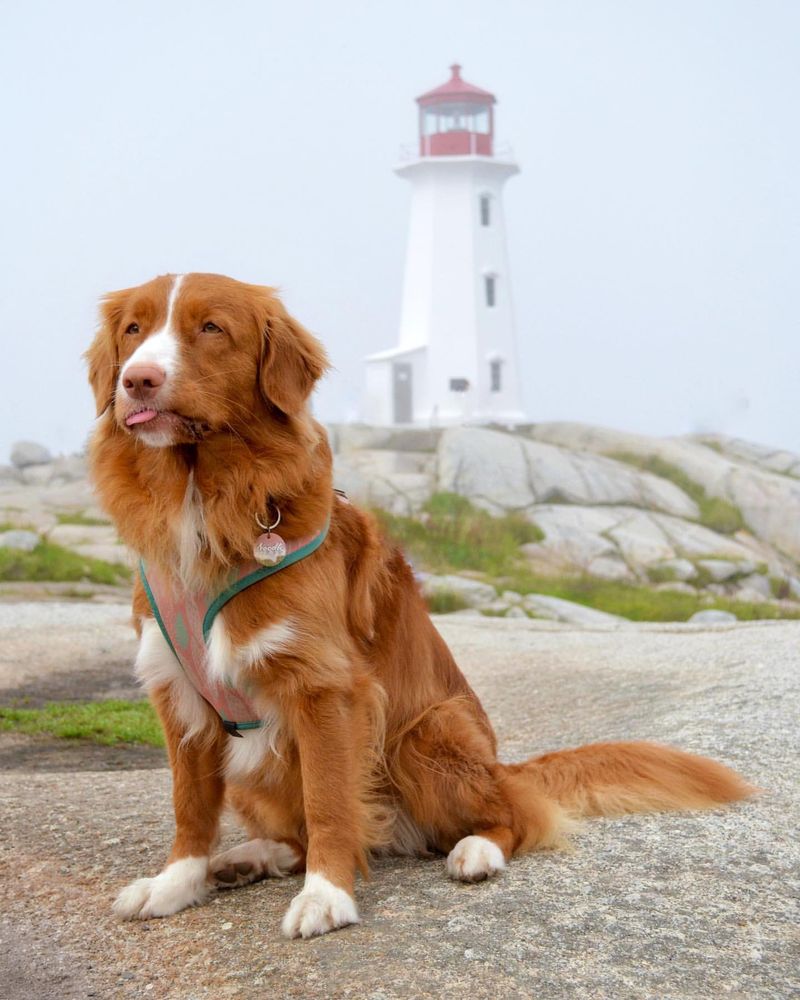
(456, 359)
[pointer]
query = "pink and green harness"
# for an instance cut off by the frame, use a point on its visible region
(185, 619)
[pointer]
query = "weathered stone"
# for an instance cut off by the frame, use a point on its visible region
(23, 541)
(391, 481)
(768, 501)
(472, 592)
(9, 475)
(358, 437)
(623, 542)
(787, 463)
(505, 472)
(712, 616)
(721, 570)
(25, 453)
(756, 583)
(36, 475)
(71, 536)
(557, 609)
(610, 568)
(675, 569)
(515, 611)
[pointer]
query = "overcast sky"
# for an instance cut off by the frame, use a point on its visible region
(654, 229)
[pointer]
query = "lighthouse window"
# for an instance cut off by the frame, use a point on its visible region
(491, 290)
(486, 211)
(495, 369)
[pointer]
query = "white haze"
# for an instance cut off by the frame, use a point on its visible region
(653, 230)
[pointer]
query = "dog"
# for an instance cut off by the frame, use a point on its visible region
(318, 701)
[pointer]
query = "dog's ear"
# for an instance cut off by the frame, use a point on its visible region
(102, 357)
(292, 360)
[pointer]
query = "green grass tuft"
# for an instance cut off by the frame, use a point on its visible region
(79, 517)
(715, 513)
(444, 602)
(106, 722)
(52, 563)
(452, 534)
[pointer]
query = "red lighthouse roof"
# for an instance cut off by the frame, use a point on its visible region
(456, 89)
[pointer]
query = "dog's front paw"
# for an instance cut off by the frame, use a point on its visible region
(474, 859)
(319, 908)
(181, 884)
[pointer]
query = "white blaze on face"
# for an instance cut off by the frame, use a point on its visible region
(161, 347)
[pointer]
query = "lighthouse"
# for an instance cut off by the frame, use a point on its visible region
(456, 359)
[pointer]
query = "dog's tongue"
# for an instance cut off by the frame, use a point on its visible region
(141, 417)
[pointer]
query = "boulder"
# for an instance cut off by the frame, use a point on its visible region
(472, 592)
(768, 501)
(73, 536)
(23, 541)
(624, 543)
(25, 453)
(712, 616)
(721, 570)
(787, 463)
(674, 569)
(504, 472)
(397, 482)
(559, 610)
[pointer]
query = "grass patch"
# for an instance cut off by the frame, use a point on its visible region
(639, 603)
(715, 513)
(444, 602)
(80, 517)
(52, 563)
(106, 722)
(451, 535)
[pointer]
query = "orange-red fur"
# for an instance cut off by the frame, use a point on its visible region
(380, 732)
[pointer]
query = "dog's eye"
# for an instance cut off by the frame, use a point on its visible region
(133, 328)
(211, 328)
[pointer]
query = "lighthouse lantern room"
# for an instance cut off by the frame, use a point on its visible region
(456, 357)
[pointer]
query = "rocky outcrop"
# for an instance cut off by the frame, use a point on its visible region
(25, 453)
(601, 515)
(768, 500)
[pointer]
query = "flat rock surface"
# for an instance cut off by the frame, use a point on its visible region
(664, 906)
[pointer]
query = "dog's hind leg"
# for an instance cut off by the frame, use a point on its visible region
(445, 769)
(255, 860)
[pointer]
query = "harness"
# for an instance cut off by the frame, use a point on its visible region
(185, 619)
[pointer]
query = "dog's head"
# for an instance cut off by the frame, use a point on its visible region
(186, 356)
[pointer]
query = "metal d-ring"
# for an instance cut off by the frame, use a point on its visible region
(268, 527)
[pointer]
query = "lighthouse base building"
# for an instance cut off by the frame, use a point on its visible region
(456, 359)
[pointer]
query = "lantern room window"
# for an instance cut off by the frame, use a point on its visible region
(456, 117)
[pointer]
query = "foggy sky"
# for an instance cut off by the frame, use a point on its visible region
(654, 231)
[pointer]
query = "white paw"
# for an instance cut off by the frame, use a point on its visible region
(319, 908)
(252, 861)
(474, 859)
(181, 884)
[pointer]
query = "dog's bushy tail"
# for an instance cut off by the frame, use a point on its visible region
(610, 779)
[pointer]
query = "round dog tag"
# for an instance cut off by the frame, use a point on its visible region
(269, 549)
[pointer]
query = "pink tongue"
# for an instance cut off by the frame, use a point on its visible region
(141, 418)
